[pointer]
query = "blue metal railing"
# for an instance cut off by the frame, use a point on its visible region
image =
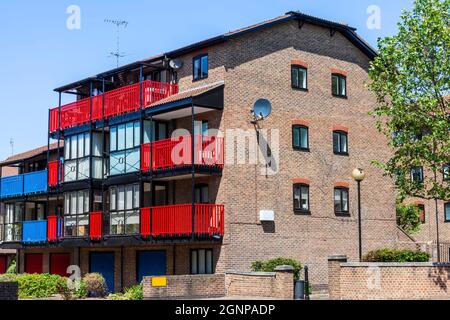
(35, 182)
(23, 184)
(34, 231)
(11, 186)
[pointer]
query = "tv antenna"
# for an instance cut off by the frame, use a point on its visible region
(11, 143)
(118, 24)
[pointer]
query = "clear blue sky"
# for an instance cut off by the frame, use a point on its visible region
(38, 53)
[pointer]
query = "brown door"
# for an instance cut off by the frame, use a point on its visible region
(59, 262)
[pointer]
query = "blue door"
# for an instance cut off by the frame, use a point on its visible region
(150, 263)
(103, 263)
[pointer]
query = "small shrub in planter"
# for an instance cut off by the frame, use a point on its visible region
(95, 284)
(396, 255)
(70, 293)
(270, 265)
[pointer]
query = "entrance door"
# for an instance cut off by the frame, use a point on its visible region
(150, 263)
(103, 263)
(33, 263)
(59, 262)
(2, 264)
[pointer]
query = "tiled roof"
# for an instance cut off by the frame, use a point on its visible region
(194, 92)
(31, 153)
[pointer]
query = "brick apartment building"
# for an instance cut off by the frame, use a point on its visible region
(114, 201)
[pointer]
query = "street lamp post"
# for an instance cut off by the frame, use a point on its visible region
(359, 175)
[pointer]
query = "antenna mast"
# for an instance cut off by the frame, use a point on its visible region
(118, 24)
(11, 143)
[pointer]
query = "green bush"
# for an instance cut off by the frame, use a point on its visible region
(270, 265)
(408, 218)
(396, 255)
(37, 285)
(95, 284)
(133, 293)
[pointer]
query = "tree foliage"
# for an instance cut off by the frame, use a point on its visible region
(411, 80)
(408, 218)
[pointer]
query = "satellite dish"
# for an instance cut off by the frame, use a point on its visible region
(176, 64)
(262, 109)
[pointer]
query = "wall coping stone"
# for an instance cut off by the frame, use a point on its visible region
(255, 274)
(284, 268)
(393, 264)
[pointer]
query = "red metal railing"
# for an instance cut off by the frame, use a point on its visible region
(176, 220)
(118, 101)
(176, 151)
(54, 228)
(55, 173)
(95, 225)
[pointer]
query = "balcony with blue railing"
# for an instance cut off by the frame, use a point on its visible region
(23, 184)
(34, 232)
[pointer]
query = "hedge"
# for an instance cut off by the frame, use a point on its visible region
(396, 255)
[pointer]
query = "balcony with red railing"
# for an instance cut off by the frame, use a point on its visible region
(206, 220)
(116, 102)
(55, 228)
(55, 173)
(95, 225)
(177, 152)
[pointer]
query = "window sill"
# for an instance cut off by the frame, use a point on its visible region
(302, 212)
(339, 96)
(342, 154)
(199, 79)
(343, 214)
(299, 89)
(301, 149)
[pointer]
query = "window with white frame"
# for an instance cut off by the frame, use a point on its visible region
(76, 213)
(13, 222)
(78, 158)
(124, 209)
(125, 141)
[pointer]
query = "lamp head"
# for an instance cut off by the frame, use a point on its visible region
(358, 174)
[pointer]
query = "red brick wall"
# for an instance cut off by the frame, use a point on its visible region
(388, 281)
(257, 65)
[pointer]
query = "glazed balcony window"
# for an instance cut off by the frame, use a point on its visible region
(76, 214)
(79, 157)
(125, 140)
(13, 222)
(124, 209)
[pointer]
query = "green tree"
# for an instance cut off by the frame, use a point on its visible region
(408, 218)
(411, 80)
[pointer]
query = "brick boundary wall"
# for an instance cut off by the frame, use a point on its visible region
(186, 286)
(387, 281)
(276, 285)
(9, 291)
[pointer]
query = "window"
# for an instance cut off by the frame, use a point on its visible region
(13, 222)
(301, 198)
(76, 214)
(417, 174)
(446, 172)
(125, 140)
(201, 193)
(299, 77)
(78, 157)
(300, 137)
(124, 209)
(202, 261)
(154, 131)
(341, 201)
(340, 142)
(421, 208)
(447, 211)
(200, 67)
(339, 85)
